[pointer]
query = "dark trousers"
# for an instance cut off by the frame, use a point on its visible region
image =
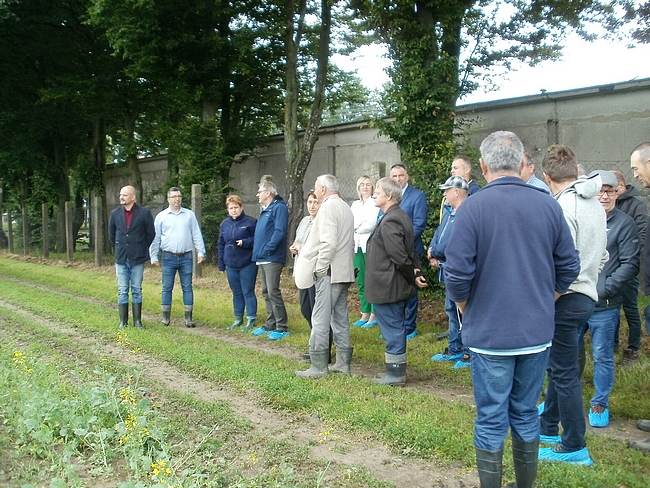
(564, 395)
(307, 299)
(630, 292)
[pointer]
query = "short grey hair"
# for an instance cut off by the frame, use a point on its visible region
(502, 152)
(644, 151)
(329, 182)
(391, 188)
(270, 186)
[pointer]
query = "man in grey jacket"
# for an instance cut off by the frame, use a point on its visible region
(326, 260)
(587, 222)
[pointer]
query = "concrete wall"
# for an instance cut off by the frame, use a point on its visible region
(154, 176)
(348, 151)
(602, 124)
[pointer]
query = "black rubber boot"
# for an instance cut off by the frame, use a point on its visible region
(137, 315)
(239, 320)
(166, 315)
(343, 359)
(489, 467)
(123, 308)
(525, 455)
(189, 323)
(318, 367)
(395, 371)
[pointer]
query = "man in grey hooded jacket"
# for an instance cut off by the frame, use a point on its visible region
(587, 222)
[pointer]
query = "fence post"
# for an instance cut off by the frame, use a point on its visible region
(98, 229)
(25, 216)
(10, 232)
(69, 238)
(46, 228)
(196, 208)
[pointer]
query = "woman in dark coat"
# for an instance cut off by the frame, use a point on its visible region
(235, 247)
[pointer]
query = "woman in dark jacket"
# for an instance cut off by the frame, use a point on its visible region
(235, 246)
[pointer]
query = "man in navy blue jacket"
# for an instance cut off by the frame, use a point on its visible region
(131, 231)
(414, 203)
(509, 257)
(270, 254)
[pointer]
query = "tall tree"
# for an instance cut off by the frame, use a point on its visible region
(444, 48)
(298, 151)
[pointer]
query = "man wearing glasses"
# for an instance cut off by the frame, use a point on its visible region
(177, 234)
(622, 267)
(270, 254)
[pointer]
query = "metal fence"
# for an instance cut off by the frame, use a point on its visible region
(39, 232)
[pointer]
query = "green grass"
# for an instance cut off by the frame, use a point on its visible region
(412, 422)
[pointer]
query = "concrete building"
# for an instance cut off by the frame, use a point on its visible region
(601, 123)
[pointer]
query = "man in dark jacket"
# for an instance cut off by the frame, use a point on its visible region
(630, 202)
(414, 203)
(510, 256)
(622, 267)
(640, 164)
(270, 254)
(131, 231)
(392, 275)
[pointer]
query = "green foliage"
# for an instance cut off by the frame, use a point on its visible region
(411, 421)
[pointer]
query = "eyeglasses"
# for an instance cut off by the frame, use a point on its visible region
(610, 193)
(175, 196)
(260, 191)
(365, 184)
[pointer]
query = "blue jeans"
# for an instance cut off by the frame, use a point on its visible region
(564, 394)
(129, 276)
(410, 320)
(390, 317)
(242, 284)
(602, 326)
(646, 312)
(455, 341)
(170, 265)
(506, 389)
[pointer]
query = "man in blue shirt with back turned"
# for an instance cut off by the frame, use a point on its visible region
(177, 234)
(507, 302)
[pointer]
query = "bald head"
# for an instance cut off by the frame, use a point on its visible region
(127, 197)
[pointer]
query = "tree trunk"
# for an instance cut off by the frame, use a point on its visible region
(298, 153)
(3, 238)
(99, 160)
(63, 183)
(132, 158)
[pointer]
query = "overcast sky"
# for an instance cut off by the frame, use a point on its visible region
(584, 64)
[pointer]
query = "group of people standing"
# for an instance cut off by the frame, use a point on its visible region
(169, 240)
(529, 267)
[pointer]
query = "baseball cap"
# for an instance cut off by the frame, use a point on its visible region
(608, 178)
(456, 182)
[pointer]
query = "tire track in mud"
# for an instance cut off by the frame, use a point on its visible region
(349, 450)
(403, 472)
